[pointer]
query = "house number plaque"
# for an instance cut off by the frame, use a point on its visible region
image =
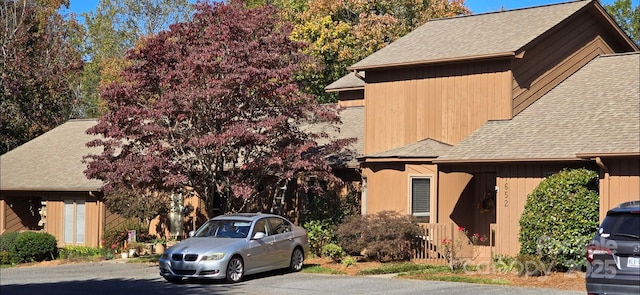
(506, 194)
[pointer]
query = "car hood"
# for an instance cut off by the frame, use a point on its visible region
(204, 245)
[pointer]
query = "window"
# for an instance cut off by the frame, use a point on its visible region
(279, 226)
(74, 222)
(421, 196)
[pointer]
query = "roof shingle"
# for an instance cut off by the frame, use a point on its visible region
(595, 111)
(51, 162)
(469, 36)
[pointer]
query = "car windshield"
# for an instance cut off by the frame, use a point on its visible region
(224, 229)
(622, 225)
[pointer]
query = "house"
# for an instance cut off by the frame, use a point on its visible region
(42, 186)
(464, 116)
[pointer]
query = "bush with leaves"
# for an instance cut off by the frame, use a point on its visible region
(116, 238)
(384, 236)
(319, 233)
(7, 249)
(560, 217)
(333, 251)
(36, 246)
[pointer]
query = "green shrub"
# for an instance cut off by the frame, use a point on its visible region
(384, 236)
(560, 217)
(530, 265)
(333, 251)
(349, 261)
(320, 233)
(7, 249)
(73, 252)
(35, 246)
(114, 239)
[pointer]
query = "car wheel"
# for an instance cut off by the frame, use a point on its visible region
(235, 269)
(297, 260)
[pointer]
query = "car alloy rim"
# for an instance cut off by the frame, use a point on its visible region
(298, 259)
(235, 269)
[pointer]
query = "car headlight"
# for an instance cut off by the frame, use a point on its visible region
(214, 256)
(164, 256)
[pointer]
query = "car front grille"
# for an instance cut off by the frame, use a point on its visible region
(176, 257)
(184, 272)
(190, 257)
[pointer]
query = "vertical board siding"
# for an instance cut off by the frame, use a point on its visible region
(434, 102)
(621, 184)
(388, 186)
(555, 58)
(515, 183)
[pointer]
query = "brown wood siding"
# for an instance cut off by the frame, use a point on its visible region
(515, 182)
(14, 210)
(445, 102)
(94, 216)
(388, 186)
(555, 58)
(351, 98)
(3, 215)
(620, 184)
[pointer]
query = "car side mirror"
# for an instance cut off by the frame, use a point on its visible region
(258, 235)
(192, 233)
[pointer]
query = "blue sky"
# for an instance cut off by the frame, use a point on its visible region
(476, 6)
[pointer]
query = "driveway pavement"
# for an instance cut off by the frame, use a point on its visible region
(119, 278)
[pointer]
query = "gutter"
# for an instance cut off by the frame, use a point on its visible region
(463, 161)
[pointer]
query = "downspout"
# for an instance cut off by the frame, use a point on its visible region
(607, 181)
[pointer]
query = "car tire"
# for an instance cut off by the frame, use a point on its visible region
(235, 269)
(297, 260)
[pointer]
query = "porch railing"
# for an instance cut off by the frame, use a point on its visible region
(428, 248)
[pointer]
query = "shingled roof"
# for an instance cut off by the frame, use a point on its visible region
(426, 148)
(501, 33)
(51, 162)
(351, 126)
(596, 111)
(347, 82)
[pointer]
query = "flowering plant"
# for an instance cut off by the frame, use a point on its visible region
(453, 248)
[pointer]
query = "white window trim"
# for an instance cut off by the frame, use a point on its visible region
(410, 194)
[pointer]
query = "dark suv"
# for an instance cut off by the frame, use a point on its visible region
(614, 253)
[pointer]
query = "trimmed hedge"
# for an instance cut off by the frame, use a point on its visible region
(35, 246)
(560, 217)
(7, 249)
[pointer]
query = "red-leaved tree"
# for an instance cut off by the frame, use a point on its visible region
(211, 108)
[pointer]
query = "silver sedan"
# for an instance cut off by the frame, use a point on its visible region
(231, 246)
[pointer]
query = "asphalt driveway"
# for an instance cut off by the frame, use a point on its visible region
(119, 278)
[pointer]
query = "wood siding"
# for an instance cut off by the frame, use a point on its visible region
(351, 98)
(620, 183)
(515, 182)
(555, 58)
(388, 186)
(445, 102)
(18, 216)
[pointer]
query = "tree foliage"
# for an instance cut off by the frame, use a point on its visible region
(210, 108)
(340, 33)
(141, 204)
(39, 66)
(627, 17)
(113, 28)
